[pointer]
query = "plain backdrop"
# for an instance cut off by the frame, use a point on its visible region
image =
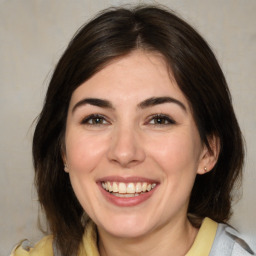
(33, 35)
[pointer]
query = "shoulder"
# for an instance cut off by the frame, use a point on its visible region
(229, 241)
(43, 247)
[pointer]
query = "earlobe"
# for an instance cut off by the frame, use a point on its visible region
(66, 168)
(209, 155)
(64, 159)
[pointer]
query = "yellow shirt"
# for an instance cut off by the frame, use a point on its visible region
(201, 246)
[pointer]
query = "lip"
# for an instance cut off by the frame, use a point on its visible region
(126, 201)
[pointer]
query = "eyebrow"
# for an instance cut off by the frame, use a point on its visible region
(94, 102)
(150, 102)
(160, 100)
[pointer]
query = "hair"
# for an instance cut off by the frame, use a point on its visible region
(114, 33)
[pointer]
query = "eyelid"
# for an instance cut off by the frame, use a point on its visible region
(85, 120)
(170, 120)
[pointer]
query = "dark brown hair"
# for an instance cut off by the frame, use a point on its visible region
(115, 33)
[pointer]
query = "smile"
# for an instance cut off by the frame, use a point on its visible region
(131, 189)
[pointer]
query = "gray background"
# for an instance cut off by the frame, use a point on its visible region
(33, 34)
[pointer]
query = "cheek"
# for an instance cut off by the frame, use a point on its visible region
(177, 153)
(83, 153)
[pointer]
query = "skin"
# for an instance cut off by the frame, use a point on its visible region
(128, 140)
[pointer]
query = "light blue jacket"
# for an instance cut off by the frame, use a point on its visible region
(228, 242)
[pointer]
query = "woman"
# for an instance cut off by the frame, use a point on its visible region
(137, 147)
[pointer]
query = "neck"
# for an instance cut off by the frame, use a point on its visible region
(173, 239)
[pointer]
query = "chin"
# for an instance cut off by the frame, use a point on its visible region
(127, 232)
(130, 227)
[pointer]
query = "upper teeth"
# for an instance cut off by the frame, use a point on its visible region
(127, 188)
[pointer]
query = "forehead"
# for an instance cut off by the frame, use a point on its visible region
(132, 77)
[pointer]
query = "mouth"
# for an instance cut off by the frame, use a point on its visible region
(127, 189)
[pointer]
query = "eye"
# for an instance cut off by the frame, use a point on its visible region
(95, 119)
(160, 119)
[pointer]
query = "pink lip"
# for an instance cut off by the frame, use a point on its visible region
(126, 201)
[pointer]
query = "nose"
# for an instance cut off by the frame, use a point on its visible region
(126, 147)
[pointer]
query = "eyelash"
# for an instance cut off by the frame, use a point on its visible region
(161, 117)
(96, 120)
(94, 117)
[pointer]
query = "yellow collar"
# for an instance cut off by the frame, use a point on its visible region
(204, 239)
(201, 246)
(89, 245)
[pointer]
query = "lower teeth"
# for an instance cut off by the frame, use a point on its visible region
(126, 195)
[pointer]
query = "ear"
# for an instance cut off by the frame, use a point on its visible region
(64, 158)
(66, 168)
(209, 156)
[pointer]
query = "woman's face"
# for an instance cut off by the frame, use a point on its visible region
(132, 147)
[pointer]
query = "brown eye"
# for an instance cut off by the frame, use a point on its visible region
(161, 120)
(95, 120)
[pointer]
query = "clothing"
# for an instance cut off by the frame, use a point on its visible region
(213, 239)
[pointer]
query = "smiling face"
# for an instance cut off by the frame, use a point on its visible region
(132, 147)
